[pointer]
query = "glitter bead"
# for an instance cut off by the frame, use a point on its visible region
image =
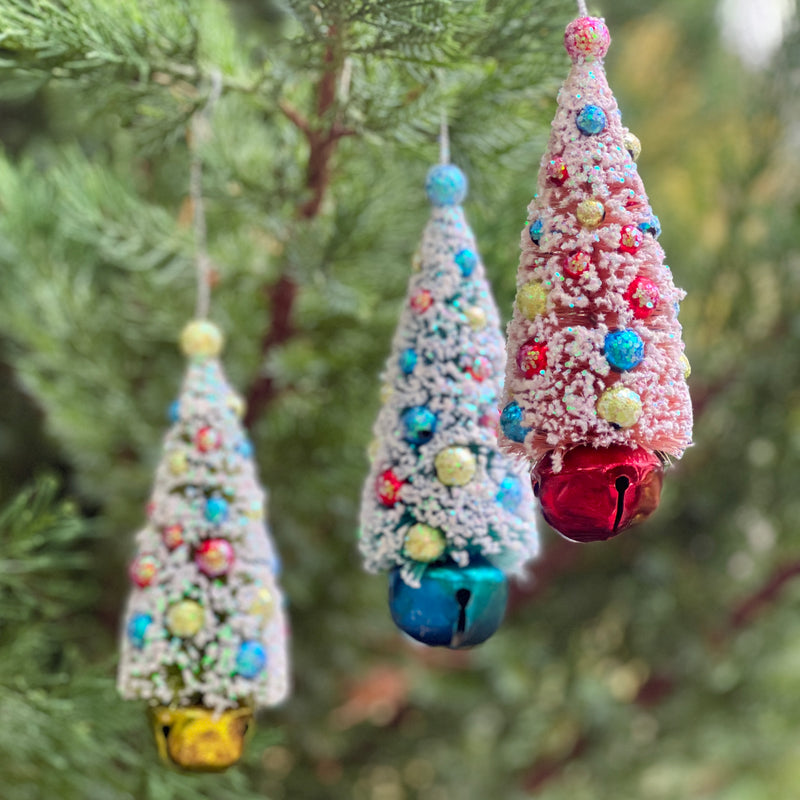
(577, 263)
(421, 301)
(387, 390)
(251, 659)
(174, 411)
(511, 422)
(387, 488)
(446, 185)
(185, 618)
(172, 536)
(424, 543)
(455, 466)
(137, 629)
(632, 145)
(201, 339)
(214, 557)
(236, 404)
(590, 213)
(419, 424)
(177, 462)
(372, 449)
(652, 226)
(263, 604)
(207, 439)
(476, 317)
(642, 296)
(467, 261)
(620, 406)
(510, 493)
(623, 349)
(687, 367)
(591, 120)
(535, 231)
(490, 419)
(630, 239)
(532, 299)
(416, 261)
(407, 361)
(255, 510)
(143, 570)
(532, 358)
(586, 39)
(557, 171)
(245, 448)
(216, 510)
(480, 368)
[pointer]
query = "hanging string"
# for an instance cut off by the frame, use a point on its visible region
(200, 132)
(582, 12)
(444, 140)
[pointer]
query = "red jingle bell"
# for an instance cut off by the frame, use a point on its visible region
(599, 492)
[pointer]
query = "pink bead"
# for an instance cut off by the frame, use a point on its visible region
(630, 239)
(207, 439)
(421, 301)
(214, 557)
(586, 39)
(172, 536)
(143, 570)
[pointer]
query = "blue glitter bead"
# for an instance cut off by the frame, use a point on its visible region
(216, 510)
(137, 629)
(251, 659)
(511, 422)
(591, 120)
(453, 607)
(536, 229)
(467, 261)
(624, 349)
(245, 448)
(446, 185)
(510, 494)
(651, 226)
(174, 411)
(419, 423)
(408, 360)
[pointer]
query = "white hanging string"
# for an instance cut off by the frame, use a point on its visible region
(582, 12)
(444, 140)
(200, 133)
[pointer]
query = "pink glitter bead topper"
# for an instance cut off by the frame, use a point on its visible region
(586, 39)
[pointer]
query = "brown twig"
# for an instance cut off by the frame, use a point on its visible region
(754, 603)
(547, 768)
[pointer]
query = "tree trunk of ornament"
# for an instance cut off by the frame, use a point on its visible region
(205, 636)
(595, 394)
(442, 509)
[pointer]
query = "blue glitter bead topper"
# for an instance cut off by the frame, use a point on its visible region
(511, 422)
(591, 120)
(446, 185)
(623, 349)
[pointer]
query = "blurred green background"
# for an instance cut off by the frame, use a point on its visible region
(664, 664)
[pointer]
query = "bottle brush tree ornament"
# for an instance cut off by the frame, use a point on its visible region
(205, 637)
(442, 509)
(595, 394)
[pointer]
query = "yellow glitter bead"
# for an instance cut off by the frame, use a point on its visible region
(201, 339)
(455, 466)
(236, 404)
(632, 145)
(687, 367)
(263, 603)
(476, 317)
(372, 450)
(177, 462)
(386, 392)
(620, 406)
(185, 618)
(532, 299)
(590, 213)
(416, 261)
(424, 543)
(255, 510)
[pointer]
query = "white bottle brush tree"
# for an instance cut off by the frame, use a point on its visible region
(596, 395)
(442, 509)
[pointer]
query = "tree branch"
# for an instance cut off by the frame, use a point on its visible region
(754, 603)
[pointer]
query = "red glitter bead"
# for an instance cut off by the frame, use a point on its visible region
(387, 487)
(532, 358)
(172, 536)
(480, 368)
(577, 263)
(143, 570)
(207, 439)
(214, 557)
(642, 296)
(421, 301)
(490, 419)
(557, 171)
(630, 239)
(599, 492)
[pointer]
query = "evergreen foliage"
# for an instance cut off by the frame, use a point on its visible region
(657, 666)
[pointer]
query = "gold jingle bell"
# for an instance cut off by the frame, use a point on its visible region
(199, 739)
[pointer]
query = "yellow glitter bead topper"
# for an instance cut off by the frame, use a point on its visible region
(201, 339)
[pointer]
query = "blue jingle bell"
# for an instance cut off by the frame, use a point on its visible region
(453, 607)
